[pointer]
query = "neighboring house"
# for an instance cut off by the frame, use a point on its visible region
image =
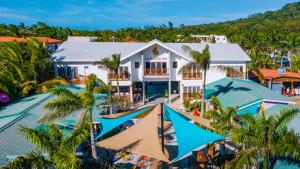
(220, 39)
(52, 44)
(210, 38)
(280, 81)
(147, 69)
(246, 95)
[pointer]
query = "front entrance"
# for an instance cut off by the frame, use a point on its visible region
(156, 89)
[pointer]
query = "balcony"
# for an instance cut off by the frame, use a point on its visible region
(155, 72)
(239, 75)
(189, 96)
(122, 77)
(191, 76)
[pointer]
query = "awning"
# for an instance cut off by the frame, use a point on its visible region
(109, 124)
(141, 138)
(188, 135)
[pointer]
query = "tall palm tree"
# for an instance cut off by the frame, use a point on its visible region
(112, 64)
(267, 139)
(55, 150)
(66, 103)
(201, 60)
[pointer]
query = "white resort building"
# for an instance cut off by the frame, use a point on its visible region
(147, 69)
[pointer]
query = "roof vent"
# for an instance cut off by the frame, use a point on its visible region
(82, 38)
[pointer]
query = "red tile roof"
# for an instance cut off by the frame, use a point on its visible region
(10, 38)
(21, 39)
(48, 40)
(268, 73)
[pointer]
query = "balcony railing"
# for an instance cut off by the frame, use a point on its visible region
(122, 76)
(78, 80)
(239, 75)
(189, 96)
(191, 76)
(156, 71)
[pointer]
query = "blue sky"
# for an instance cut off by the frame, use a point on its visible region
(114, 14)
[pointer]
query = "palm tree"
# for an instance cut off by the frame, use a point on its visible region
(267, 139)
(112, 64)
(55, 150)
(26, 63)
(66, 103)
(200, 60)
(222, 120)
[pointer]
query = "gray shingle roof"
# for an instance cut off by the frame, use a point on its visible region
(93, 51)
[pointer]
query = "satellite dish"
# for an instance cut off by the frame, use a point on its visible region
(281, 71)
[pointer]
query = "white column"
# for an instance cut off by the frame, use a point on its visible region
(169, 60)
(170, 91)
(55, 70)
(181, 91)
(143, 82)
(143, 92)
(66, 69)
(131, 93)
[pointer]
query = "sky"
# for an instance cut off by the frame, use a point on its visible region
(115, 14)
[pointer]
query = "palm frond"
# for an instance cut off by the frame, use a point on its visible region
(65, 159)
(285, 116)
(245, 159)
(187, 49)
(29, 160)
(39, 138)
(62, 107)
(186, 68)
(77, 136)
(287, 145)
(62, 92)
(52, 84)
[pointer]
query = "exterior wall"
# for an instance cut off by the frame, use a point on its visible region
(90, 68)
(163, 55)
(93, 69)
(174, 74)
(221, 39)
(136, 73)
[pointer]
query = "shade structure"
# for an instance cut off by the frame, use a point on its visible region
(188, 135)
(109, 124)
(142, 138)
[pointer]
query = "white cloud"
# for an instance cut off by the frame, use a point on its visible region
(12, 14)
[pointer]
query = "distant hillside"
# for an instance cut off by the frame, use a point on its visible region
(275, 29)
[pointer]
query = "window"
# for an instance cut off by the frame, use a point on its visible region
(191, 89)
(69, 71)
(174, 64)
(164, 65)
(75, 72)
(147, 65)
(137, 65)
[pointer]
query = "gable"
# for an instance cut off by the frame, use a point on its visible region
(162, 49)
